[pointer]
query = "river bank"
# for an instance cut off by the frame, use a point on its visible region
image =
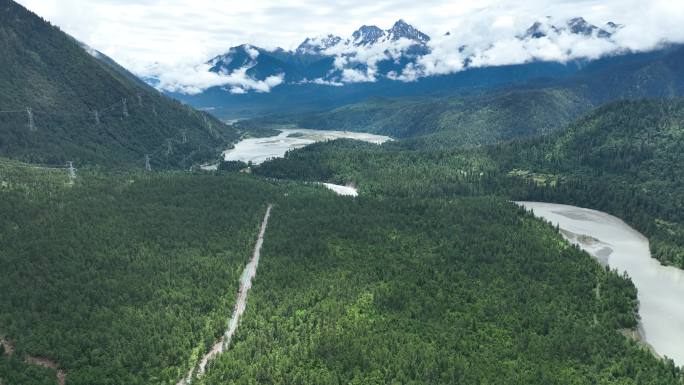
(614, 243)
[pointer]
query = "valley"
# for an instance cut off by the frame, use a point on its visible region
(498, 199)
(258, 150)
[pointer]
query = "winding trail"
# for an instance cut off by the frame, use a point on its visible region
(240, 305)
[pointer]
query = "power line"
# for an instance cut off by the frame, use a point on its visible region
(38, 166)
(125, 108)
(31, 123)
(97, 116)
(72, 170)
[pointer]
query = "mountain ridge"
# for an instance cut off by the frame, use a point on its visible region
(401, 52)
(69, 102)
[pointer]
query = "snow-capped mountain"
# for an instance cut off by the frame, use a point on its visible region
(403, 53)
(367, 35)
(330, 59)
(574, 26)
(403, 30)
(316, 45)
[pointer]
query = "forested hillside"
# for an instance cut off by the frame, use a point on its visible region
(459, 121)
(111, 275)
(120, 279)
(59, 103)
(484, 116)
(625, 158)
(403, 291)
(132, 278)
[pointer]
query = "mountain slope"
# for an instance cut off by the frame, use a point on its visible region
(351, 291)
(518, 110)
(626, 158)
(330, 71)
(471, 120)
(317, 59)
(87, 110)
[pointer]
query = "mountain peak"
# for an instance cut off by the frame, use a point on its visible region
(402, 29)
(367, 35)
(574, 26)
(579, 26)
(318, 44)
(536, 31)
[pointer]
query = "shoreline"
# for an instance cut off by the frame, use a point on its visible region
(616, 245)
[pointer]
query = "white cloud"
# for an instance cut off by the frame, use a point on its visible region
(174, 35)
(349, 58)
(323, 82)
(193, 80)
(350, 75)
(252, 52)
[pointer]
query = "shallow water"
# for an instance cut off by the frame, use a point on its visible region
(613, 242)
(342, 190)
(258, 150)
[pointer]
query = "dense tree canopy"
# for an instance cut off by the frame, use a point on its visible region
(46, 70)
(122, 278)
(625, 158)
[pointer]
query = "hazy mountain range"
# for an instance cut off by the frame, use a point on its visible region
(329, 70)
(401, 52)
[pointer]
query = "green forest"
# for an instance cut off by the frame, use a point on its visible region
(115, 275)
(456, 121)
(133, 277)
(88, 110)
(122, 278)
(625, 158)
(480, 115)
(469, 290)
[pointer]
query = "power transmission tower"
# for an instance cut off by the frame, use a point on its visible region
(125, 107)
(185, 136)
(31, 123)
(148, 167)
(209, 124)
(169, 148)
(97, 117)
(72, 170)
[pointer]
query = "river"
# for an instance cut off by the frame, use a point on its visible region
(258, 150)
(661, 288)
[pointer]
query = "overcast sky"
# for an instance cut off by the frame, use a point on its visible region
(179, 32)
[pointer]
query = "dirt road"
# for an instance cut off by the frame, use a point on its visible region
(240, 305)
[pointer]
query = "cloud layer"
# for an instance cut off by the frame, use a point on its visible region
(168, 38)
